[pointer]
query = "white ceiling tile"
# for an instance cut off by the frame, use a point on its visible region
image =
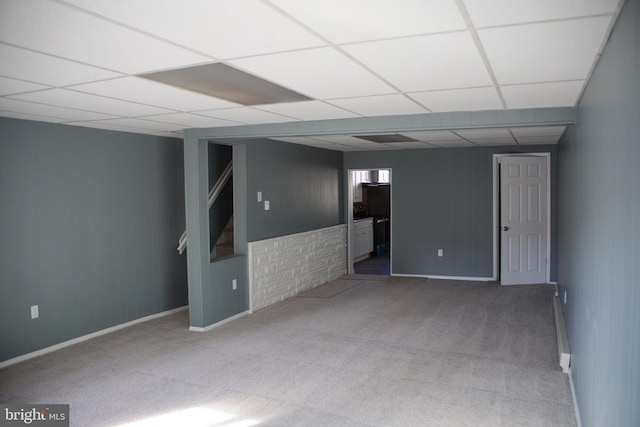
(409, 145)
(107, 125)
(145, 91)
(88, 102)
(538, 131)
(432, 135)
(34, 117)
(66, 32)
(491, 133)
(356, 20)
(504, 12)
(319, 73)
(13, 86)
(485, 98)
(187, 120)
(17, 106)
(178, 135)
(381, 105)
(558, 94)
(452, 143)
(145, 124)
(246, 115)
(308, 110)
(543, 52)
(494, 142)
(222, 28)
(442, 61)
(36, 67)
(534, 140)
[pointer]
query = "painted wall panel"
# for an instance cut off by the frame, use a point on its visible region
(443, 199)
(599, 233)
(89, 221)
(302, 184)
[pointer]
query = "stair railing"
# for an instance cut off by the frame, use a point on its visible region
(213, 195)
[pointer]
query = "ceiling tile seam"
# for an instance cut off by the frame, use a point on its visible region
(66, 108)
(464, 138)
(4, 110)
(313, 100)
(135, 29)
(213, 110)
(513, 136)
(339, 49)
(147, 119)
(106, 121)
(545, 21)
(544, 82)
(196, 113)
(481, 51)
(27, 81)
(64, 58)
(170, 110)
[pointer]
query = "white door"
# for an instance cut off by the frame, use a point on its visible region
(523, 220)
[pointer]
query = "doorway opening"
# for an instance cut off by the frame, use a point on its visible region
(370, 220)
(521, 218)
(221, 206)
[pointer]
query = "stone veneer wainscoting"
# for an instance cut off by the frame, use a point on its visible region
(282, 267)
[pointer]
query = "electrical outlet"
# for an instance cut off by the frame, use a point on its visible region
(34, 312)
(565, 297)
(259, 196)
(440, 252)
(234, 284)
(267, 205)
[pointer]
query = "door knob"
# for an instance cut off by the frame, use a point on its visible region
(505, 228)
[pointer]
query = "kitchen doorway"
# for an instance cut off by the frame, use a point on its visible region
(370, 219)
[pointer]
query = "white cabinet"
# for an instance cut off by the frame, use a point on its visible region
(358, 177)
(362, 238)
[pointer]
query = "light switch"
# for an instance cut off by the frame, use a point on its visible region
(267, 205)
(259, 196)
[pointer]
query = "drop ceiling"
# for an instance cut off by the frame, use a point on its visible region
(79, 62)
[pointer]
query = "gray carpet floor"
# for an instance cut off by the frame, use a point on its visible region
(391, 352)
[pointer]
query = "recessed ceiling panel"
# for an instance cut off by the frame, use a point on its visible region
(308, 110)
(88, 102)
(145, 91)
(12, 86)
(505, 12)
(246, 115)
(485, 98)
(544, 52)
(319, 73)
(38, 68)
(414, 64)
(356, 20)
(220, 28)
(557, 94)
(225, 82)
(386, 138)
(64, 31)
(381, 105)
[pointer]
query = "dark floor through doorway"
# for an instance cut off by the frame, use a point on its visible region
(379, 265)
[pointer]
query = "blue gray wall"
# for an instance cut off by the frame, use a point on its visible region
(443, 198)
(303, 185)
(599, 239)
(89, 224)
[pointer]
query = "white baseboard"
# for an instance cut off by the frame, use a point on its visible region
(575, 400)
(464, 278)
(220, 323)
(88, 337)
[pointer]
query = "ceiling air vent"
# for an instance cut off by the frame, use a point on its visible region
(385, 138)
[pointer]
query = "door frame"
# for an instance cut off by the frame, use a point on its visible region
(349, 216)
(496, 210)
